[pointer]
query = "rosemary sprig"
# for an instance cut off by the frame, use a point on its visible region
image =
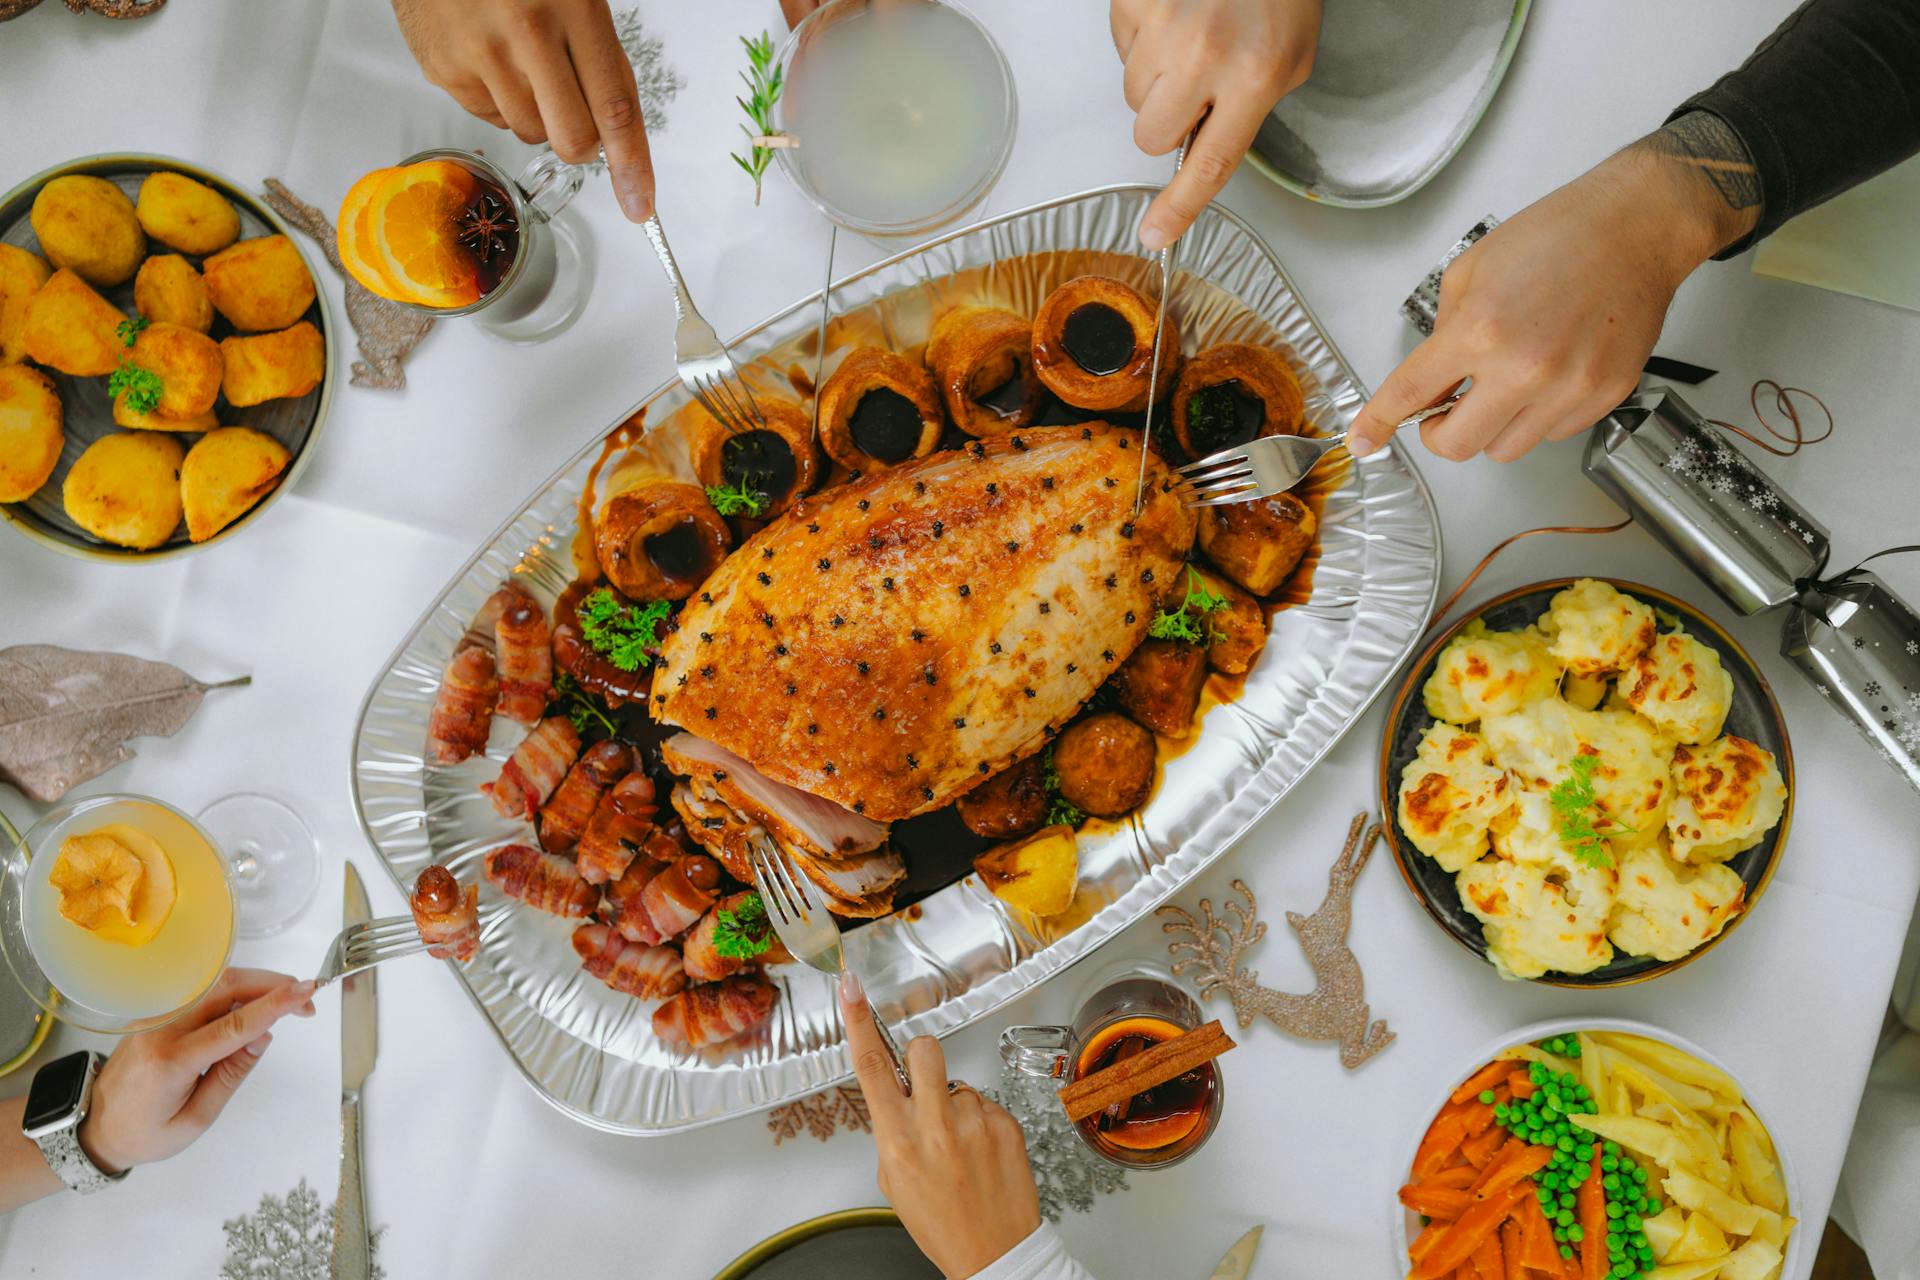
(588, 713)
(764, 80)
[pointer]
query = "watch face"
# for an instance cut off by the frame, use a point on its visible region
(55, 1092)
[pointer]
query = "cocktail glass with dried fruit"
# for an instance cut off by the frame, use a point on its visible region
(1129, 1008)
(449, 233)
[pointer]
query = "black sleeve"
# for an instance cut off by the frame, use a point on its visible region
(1827, 101)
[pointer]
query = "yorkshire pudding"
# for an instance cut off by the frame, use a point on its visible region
(1093, 345)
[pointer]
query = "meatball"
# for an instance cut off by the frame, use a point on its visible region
(1160, 685)
(1105, 763)
(1010, 803)
(1258, 543)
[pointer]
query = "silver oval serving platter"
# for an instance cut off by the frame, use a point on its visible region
(1395, 92)
(958, 954)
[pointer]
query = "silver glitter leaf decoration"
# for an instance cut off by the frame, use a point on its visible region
(66, 715)
(1067, 1174)
(290, 1239)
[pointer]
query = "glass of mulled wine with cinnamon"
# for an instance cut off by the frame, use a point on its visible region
(1130, 1009)
(449, 233)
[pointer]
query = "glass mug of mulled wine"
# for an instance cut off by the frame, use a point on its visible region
(1131, 1007)
(449, 233)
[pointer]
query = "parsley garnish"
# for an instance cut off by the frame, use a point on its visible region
(1577, 807)
(129, 329)
(1060, 810)
(1188, 623)
(743, 932)
(142, 387)
(624, 633)
(588, 713)
(764, 82)
(736, 499)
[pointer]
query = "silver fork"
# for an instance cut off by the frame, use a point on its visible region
(809, 931)
(362, 946)
(1270, 464)
(706, 366)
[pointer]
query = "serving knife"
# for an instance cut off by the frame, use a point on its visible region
(352, 1244)
(1239, 1259)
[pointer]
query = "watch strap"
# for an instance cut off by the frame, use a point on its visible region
(71, 1164)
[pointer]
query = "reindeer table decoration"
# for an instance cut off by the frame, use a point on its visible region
(1336, 1008)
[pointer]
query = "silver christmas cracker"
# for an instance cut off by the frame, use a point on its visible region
(1859, 644)
(1699, 496)
(1422, 307)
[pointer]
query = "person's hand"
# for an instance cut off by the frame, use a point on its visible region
(1554, 312)
(953, 1165)
(551, 70)
(161, 1089)
(1188, 58)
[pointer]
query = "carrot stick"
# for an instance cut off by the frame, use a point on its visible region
(1442, 1140)
(1537, 1248)
(1481, 1148)
(1592, 1205)
(1457, 1178)
(1522, 1085)
(1486, 1259)
(1477, 1117)
(1482, 1080)
(1512, 1268)
(1468, 1233)
(1434, 1202)
(1427, 1240)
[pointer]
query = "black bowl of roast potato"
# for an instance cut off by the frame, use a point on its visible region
(165, 359)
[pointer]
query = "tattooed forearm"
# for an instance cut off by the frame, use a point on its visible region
(1707, 144)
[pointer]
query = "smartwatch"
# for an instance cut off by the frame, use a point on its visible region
(61, 1095)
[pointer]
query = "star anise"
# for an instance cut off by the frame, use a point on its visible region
(486, 225)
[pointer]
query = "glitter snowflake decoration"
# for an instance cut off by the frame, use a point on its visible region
(1913, 648)
(1068, 1174)
(290, 1239)
(658, 82)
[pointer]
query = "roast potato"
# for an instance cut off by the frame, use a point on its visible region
(259, 284)
(167, 290)
(125, 415)
(1258, 543)
(1160, 685)
(226, 472)
(87, 225)
(71, 328)
(30, 431)
(188, 365)
(273, 366)
(1010, 803)
(1105, 764)
(186, 215)
(1239, 631)
(21, 275)
(125, 489)
(1038, 874)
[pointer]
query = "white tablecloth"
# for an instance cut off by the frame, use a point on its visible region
(469, 1172)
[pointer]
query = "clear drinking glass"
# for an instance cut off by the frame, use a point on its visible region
(546, 286)
(96, 983)
(272, 857)
(902, 112)
(1147, 1000)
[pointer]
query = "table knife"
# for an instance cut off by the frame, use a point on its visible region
(1159, 327)
(352, 1244)
(1239, 1259)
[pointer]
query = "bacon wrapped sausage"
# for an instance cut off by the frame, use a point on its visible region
(534, 769)
(680, 895)
(622, 907)
(540, 880)
(524, 654)
(648, 973)
(748, 922)
(566, 816)
(618, 829)
(447, 916)
(463, 710)
(715, 1012)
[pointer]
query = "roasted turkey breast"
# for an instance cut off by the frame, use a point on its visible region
(893, 642)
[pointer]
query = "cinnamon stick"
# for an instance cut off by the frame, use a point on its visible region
(1116, 1084)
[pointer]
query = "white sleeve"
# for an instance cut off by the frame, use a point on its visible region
(1041, 1256)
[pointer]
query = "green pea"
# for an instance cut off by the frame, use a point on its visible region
(1610, 1161)
(1576, 1233)
(1560, 1235)
(1566, 1251)
(1640, 1175)
(1610, 1147)
(1653, 1208)
(1613, 1210)
(1486, 1096)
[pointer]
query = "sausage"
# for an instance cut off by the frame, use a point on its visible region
(1011, 803)
(1105, 763)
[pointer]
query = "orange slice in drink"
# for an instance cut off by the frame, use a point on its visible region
(413, 222)
(353, 233)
